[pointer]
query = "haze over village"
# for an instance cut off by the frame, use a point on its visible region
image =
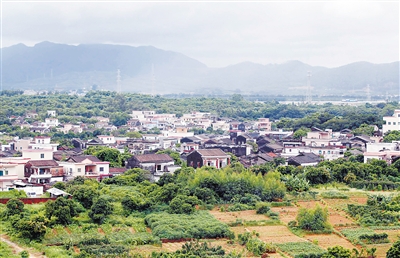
(190, 129)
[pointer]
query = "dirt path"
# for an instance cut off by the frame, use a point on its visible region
(17, 249)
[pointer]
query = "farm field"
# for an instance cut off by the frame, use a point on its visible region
(133, 235)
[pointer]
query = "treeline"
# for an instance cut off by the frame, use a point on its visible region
(118, 107)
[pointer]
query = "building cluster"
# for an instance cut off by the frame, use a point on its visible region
(34, 164)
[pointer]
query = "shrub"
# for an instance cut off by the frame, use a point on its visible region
(394, 251)
(200, 224)
(262, 208)
(337, 252)
(313, 219)
(334, 195)
(101, 208)
(239, 207)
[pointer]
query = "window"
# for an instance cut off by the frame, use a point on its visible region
(79, 169)
(158, 167)
(394, 123)
(42, 155)
(389, 123)
(1, 172)
(101, 169)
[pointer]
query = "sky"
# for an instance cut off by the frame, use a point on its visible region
(217, 33)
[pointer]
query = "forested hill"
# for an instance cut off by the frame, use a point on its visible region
(148, 69)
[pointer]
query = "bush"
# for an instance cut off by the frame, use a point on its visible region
(262, 208)
(101, 208)
(394, 251)
(334, 195)
(239, 207)
(313, 219)
(200, 224)
(337, 252)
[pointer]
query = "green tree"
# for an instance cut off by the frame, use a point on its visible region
(14, 207)
(101, 208)
(61, 211)
(182, 204)
(313, 219)
(302, 132)
(392, 136)
(364, 129)
(337, 252)
(84, 194)
(394, 251)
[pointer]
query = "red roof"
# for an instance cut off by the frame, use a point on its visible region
(43, 163)
(150, 158)
(212, 152)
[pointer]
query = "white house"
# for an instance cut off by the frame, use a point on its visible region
(392, 123)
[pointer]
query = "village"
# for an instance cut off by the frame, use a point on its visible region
(35, 164)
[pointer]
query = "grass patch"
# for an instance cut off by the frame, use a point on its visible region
(300, 248)
(176, 226)
(353, 234)
(334, 195)
(239, 223)
(6, 251)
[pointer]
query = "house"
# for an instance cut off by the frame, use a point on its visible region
(51, 122)
(208, 157)
(391, 123)
(150, 162)
(43, 171)
(107, 139)
(38, 154)
(264, 124)
(188, 147)
(85, 165)
(272, 147)
(52, 113)
(304, 159)
(156, 164)
(8, 174)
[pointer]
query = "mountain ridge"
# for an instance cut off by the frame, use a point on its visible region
(146, 69)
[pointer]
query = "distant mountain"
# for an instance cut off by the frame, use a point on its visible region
(148, 69)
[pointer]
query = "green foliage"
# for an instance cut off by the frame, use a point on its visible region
(182, 204)
(334, 195)
(6, 251)
(391, 136)
(337, 252)
(13, 194)
(262, 208)
(84, 194)
(394, 251)
(176, 226)
(14, 207)
(61, 211)
(256, 246)
(101, 208)
(302, 249)
(364, 129)
(24, 254)
(301, 132)
(104, 153)
(374, 238)
(239, 207)
(196, 249)
(33, 228)
(313, 219)
(227, 184)
(296, 183)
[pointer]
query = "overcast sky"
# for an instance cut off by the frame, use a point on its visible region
(325, 33)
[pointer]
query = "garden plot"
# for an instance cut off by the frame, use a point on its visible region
(381, 249)
(270, 234)
(286, 214)
(330, 240)
(393, 235)
(227, 217)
